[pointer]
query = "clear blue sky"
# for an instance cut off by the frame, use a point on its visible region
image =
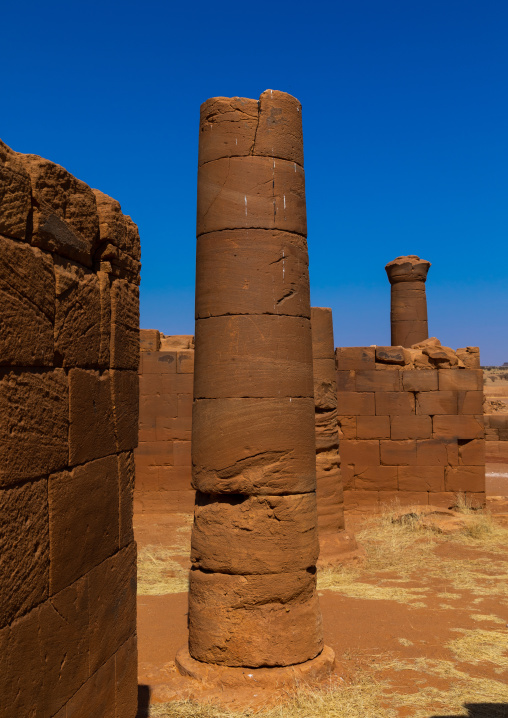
(405, 110)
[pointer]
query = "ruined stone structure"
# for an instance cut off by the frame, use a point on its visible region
(163, 456)
(252, 599)
(69, 347)
(411, 425)
(496, 437)
(408, 315)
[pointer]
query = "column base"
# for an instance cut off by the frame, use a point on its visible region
(315, 670)
(338, 549)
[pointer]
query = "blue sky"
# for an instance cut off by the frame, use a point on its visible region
(405, 128)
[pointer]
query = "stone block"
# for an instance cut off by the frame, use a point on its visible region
(411, 427)
(353, 403)
(371, 380)
(179, 428)
(498, 421)
(231, 279)
(470, 402)
(83, 520)
(373, 427)
(460, 379)
(162, 362)
(175, 478)
(227, 127)
(279, 130)
(251, 193)
(126, 490)
(354, 451)
(346, 380)
(112, 591)
(254, 615)
(465, 478)
(182, 453)
(149, 340)
(126, 679)
(91, 432)
(184, 406)
(96, 697)
(125, 388)
(358, 501)
(436, 452)
(258, 446)
(398, 403)
(457, 427)
(34, 420)
(348, 358)
(185, 361)
(105, 328)
(377, 478)
(421, 478)
(155, 453)
(347, 427)
(70, 199)
(116, 228)
(419, 380)
(77, 315)
(150, 502)
(15, 194)
(405, 498)
(266, 534)
(124, 325)
(148, 477)
(261, 356)
(390, 355)
(51, 233)
(470, 356)
(24, 549)
(443, 499)
(436, 402)
(472, 453)
(397, 453)
(27, 295)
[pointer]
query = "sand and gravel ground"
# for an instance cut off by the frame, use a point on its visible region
(420, 630)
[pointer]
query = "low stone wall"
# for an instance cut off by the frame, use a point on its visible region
(69, 352)
(411, 425)
(163, 456)
(496, 438)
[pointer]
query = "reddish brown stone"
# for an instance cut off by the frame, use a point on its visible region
(162, 362)
(436, 402)
(470, 402)
(397, 453)
(390, 355)
(33, 424)
(125, 388)
(15, 194)
(360, 452)
(112, 591)
(472, 452)
(260, 356)
(379, 478)
(418, 380)
(372, 380)
(185, 361)
(258, 446)
(24, 549)
(355, 358)
(356, 403)
(460, 379)
(346, 380)
(96, 696)
(126, 679)
(124, 325)
(457, 427)
(91, 432)
(227, 128)
(347, 427)
(115, 227)
(279, 130)
(252, 620)
(27, 296)
(77, 316)
(373, 427)
(411, 427)
(436, 452)
(465, 478)
(251, 192)
(407, 277)
(83, 519)
(105, 328)
(421, 478)
(397, 403)
(149, 340)
(125, 488)
(470, 357)
(266, 534)
(231, 278)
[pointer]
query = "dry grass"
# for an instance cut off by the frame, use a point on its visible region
(158, 571)
(480, 645)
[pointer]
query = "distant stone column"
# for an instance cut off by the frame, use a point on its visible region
(408, 314)
(336, 545)
(252, 594)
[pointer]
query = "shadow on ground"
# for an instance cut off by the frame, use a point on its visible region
(482, 710)
(143, 701)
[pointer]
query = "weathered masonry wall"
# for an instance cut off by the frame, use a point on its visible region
(411, 425)
(496, 438)
(69, 353)
(163, 456)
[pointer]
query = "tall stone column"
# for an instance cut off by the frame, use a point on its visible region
(335, 543)
(252, 593)
(408, 314)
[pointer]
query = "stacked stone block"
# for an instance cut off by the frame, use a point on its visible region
(69, 274)
(411, 425)
(408, 313)
(163, 456)
(252, 599)
(496, 438)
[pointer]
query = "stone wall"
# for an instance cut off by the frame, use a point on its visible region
(69, 352)
(163, 456)
(496, 438)
(411, 425)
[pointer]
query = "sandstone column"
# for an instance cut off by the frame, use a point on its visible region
(335, 544)
(408, 314)
(252, 596)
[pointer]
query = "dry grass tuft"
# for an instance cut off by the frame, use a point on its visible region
(480, 645)
(159, 573)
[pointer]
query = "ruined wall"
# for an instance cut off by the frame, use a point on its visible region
(69, 348)
(496, 438)
(163, 456)
(411, 425)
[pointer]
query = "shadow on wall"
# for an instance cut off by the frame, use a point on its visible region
(482, 710)
(143, 701)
